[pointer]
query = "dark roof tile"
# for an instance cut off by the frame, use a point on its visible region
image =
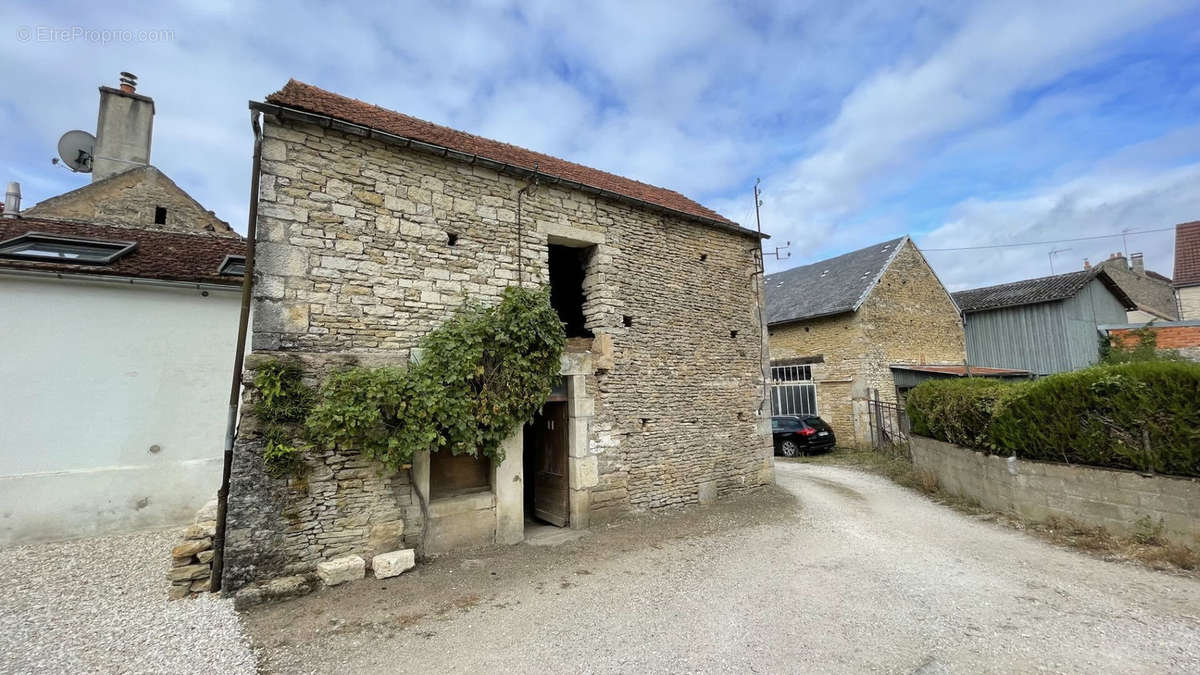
(827, 287)
(172, 256)
(1034, 291)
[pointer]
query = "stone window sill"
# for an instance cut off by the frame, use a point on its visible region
(448, 506)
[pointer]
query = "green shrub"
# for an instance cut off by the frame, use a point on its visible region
(956, 410)
(1143, 416)
(480, 375)
(282, 404)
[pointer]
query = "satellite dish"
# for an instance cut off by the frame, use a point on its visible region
(75, 148)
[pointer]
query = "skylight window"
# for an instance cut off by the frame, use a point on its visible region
(53, 248)
(233, 265)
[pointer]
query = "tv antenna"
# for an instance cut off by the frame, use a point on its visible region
(780, 252)
(1054, 253)
(76, 148)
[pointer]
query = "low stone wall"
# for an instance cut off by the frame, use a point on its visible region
(1114, 499)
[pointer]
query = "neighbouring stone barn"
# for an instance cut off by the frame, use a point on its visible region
(374, 226)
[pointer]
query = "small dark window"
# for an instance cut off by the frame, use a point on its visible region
(703, 257)
(53, 248)
(627, 320)
(233, 265)
(733, 333)
(451, 238)
(160, 215)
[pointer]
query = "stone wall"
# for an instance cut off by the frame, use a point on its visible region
(907, 319)
(130, 198)
(366, 247)
(1116, 500)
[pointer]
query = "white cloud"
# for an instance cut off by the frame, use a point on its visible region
(890, 120)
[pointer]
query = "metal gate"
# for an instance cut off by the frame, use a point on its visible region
(888, 423)
(793, 391)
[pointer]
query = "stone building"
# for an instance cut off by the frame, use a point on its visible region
(374, 226)
(839, 327)
(1151, 293)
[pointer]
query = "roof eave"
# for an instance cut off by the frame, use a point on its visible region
(329, 122)
(811, 317)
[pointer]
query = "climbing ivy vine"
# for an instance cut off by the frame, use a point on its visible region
(479, 375)
(282, 405)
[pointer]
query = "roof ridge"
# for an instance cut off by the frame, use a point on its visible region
(61, 220)
(832, 258)
(294, 93)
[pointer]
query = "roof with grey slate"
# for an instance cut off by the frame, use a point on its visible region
(830, 286)
(1034, 291)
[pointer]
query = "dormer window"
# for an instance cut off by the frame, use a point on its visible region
(233, 265)
(41, 247)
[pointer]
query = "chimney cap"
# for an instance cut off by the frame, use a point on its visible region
(128, 82)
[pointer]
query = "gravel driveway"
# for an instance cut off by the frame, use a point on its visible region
(100, 605)
(860, 575)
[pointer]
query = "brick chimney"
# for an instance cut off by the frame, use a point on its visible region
(123, 129)
(1136, 263)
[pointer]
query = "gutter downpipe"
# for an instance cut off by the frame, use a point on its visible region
(235, 387)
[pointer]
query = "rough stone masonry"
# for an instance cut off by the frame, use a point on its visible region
(366, 246)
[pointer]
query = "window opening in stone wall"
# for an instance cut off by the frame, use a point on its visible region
(793, 391)
(451, 239)
(452, 475)
(568, 267)
(627, 320)
(160, 215)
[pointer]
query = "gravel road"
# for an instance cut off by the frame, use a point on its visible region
(100, 606)
(860, 575)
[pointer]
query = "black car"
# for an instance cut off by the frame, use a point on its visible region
(801, 435)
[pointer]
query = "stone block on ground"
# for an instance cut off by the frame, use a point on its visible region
(393, 563)
(178, 592)
(191, 547)
(205, 556)
(206, 529)
(207, 512)
(189, 572)
(341, 570)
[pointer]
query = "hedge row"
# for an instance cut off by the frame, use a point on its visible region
(1141, 416)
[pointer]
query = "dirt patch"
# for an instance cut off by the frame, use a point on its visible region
(453, 584)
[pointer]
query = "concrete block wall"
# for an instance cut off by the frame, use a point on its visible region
(1115, 500)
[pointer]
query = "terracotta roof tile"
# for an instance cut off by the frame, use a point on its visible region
(1187, 254)
(173, 256)
(308, 98)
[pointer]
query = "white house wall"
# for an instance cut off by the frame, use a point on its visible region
(95, 376)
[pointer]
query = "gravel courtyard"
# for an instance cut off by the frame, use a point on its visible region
(100, 606)
(837, 571)
(853, 574)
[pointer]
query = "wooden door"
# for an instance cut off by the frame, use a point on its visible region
(550, 486)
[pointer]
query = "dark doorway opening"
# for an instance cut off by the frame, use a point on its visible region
(545, 464)
(568, 267)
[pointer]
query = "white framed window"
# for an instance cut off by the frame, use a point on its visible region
(793, 391)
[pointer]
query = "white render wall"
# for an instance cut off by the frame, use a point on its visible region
(93, 374)
(1189, 303)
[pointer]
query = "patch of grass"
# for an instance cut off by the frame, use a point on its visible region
(1147, 545)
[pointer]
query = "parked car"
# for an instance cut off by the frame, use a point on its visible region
(801, 435)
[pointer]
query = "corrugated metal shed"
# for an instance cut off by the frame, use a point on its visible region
(1044, 337)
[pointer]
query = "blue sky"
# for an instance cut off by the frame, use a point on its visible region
(961, 123)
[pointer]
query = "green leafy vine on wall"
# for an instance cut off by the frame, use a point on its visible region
(282, 406)
(479, 375)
